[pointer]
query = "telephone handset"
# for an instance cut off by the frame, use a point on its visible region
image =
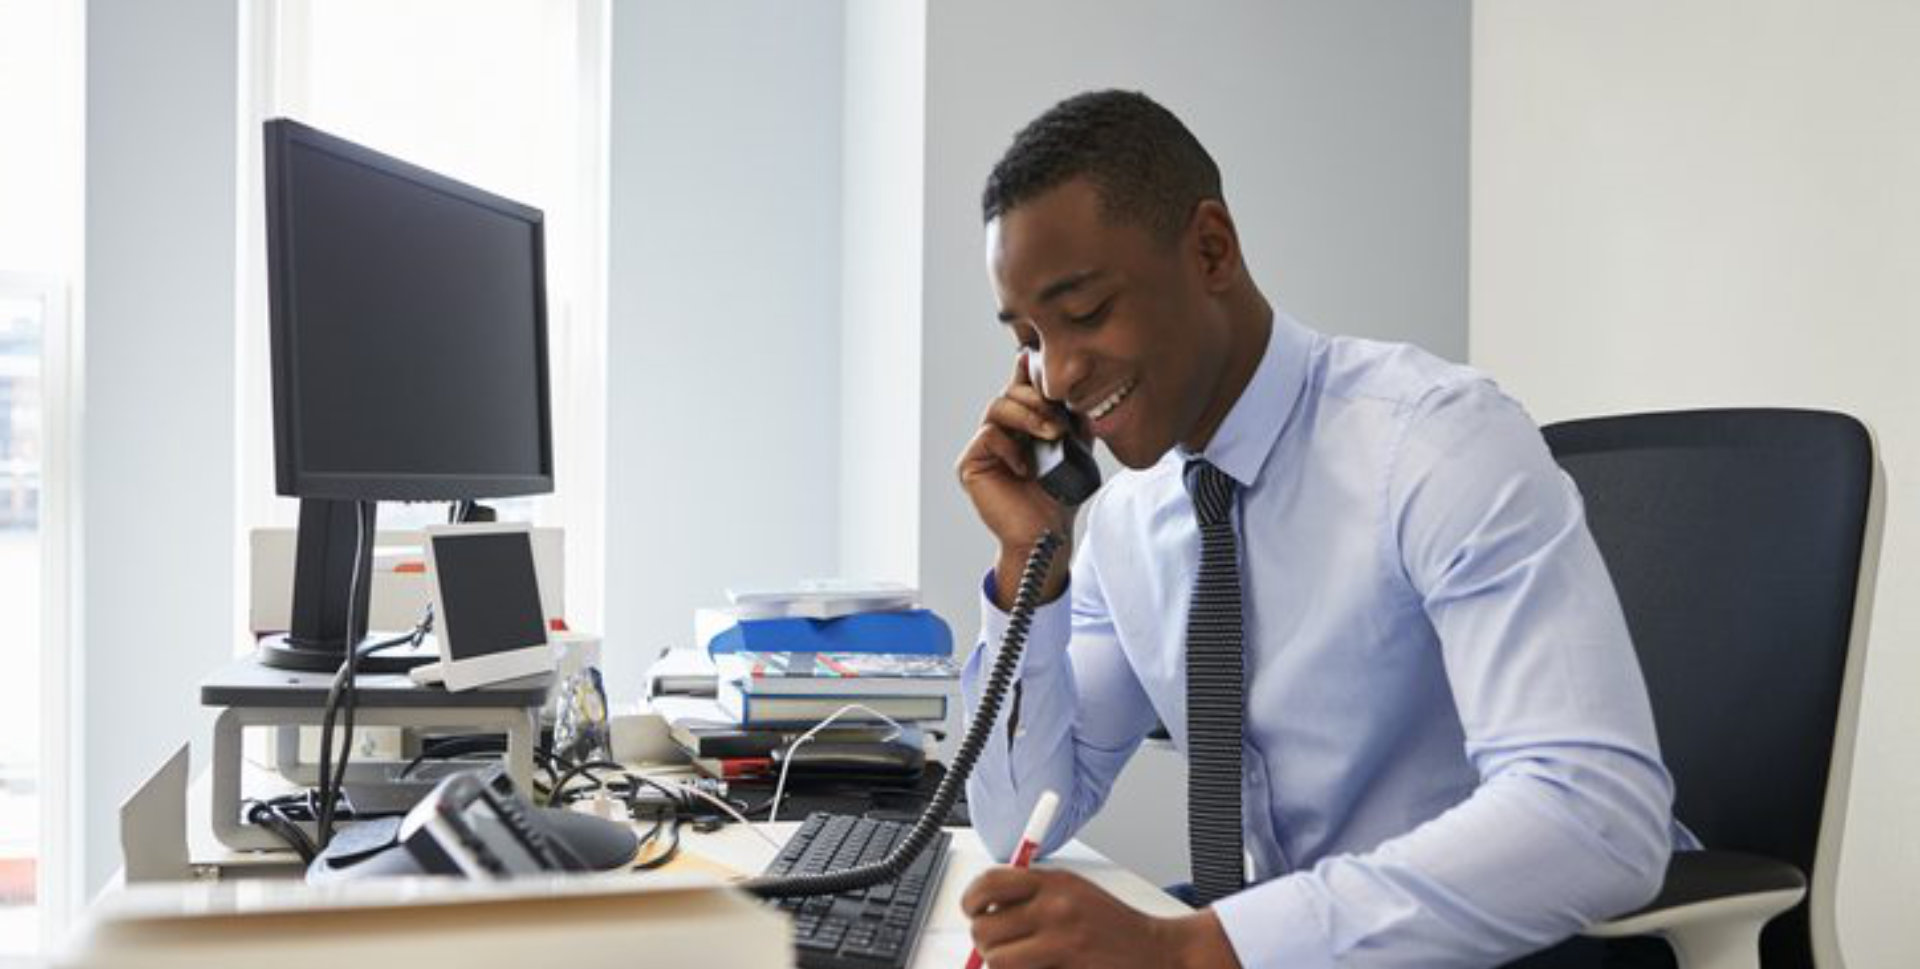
(1065, 467)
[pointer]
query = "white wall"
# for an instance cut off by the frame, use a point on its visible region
(157, 425)
(723, 334)
(1682, 203)
(1341, 132)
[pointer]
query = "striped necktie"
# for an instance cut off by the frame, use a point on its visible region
(1215, 689)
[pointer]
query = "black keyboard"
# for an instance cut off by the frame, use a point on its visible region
(862, 929)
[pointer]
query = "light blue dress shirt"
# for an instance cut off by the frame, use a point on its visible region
(1450, 757)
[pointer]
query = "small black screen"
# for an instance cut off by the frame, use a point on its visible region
(489, 596)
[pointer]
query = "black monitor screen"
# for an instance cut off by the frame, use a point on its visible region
(489, 593)
(409, 329)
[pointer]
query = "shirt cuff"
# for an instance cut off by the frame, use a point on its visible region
(1046, 639)
(1276, 925)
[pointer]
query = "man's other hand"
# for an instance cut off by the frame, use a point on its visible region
(1025, 918)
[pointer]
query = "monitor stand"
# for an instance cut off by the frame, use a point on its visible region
(323, 577)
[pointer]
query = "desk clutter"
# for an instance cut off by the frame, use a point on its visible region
(358, 423)
(822, 710)
(825, 679)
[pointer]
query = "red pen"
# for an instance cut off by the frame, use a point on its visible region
(1036, 832)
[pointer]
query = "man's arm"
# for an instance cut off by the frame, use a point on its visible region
(1081, 713)
(1570, 823)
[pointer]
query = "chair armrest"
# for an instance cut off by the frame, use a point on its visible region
(1712, 906)
(1712, 886)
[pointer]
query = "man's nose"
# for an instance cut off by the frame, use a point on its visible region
(1062, 371)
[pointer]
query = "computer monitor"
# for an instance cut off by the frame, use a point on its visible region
(409, 344)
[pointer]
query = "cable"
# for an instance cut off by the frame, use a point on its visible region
(672, 850)
(1019, 621)
(732, 812)
(584, 769)
(349, 665)
(267, 814)
(681, 793)
(343, 697)
(333, 779)
(786, 762)
(454, 748)
(351, 696)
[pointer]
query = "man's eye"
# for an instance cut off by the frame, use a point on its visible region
(1097, 314)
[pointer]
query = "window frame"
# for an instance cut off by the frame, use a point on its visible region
(56, 889)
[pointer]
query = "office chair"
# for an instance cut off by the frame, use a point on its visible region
(1743, 544)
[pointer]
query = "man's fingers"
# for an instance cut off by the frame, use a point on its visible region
(1003, 885)
(991, 445)
(1002, 925)
(1028, 953)
(1029, 395)
(1022, 377)
(1025, 418)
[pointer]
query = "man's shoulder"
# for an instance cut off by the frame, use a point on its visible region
(1432, 410)
(1401, 376)
(1406, 400)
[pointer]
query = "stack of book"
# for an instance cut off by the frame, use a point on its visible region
(799, 689)
(865, 657)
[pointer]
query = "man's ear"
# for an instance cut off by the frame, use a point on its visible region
(1216, 244)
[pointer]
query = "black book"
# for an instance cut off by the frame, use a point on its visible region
(700, 728)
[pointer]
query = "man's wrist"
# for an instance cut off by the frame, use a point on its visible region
(1196, 941)
(1013, 563)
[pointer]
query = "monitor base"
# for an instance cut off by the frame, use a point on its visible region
(282, 652)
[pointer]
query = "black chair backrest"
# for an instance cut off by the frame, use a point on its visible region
(1734, 539)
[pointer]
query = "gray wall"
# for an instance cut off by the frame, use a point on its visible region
(723, 347)
(1341, 131)
(157, 431)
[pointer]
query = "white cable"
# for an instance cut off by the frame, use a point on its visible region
(686, 788)
(779, 788)
(724, 806)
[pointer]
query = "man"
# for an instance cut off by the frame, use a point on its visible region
(1346, 575)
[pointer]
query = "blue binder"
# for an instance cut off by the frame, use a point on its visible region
(916, 631)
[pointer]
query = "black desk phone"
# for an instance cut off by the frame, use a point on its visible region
(477, 825)
(1065, 467)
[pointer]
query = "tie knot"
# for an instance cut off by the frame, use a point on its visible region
(1212, 492)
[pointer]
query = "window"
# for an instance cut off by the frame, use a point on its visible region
(40, 223)
(25, 305)
(504, 94)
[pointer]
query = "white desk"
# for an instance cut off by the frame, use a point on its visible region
(945, 943)
(734, 850)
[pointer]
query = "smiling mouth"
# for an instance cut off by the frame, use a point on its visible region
(1113, 400)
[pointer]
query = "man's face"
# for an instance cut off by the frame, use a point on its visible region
(1129, 338)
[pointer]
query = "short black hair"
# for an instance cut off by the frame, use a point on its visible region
(1148, 168)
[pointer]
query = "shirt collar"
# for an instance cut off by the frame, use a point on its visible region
(1244, 439)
